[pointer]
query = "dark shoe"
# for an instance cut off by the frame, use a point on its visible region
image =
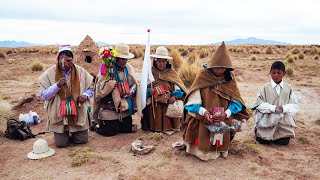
(282, 141)
(262, 141)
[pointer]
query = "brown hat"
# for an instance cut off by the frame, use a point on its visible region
(220, 58)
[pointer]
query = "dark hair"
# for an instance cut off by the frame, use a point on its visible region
(278, 65)
(227, 75)
(66, 53)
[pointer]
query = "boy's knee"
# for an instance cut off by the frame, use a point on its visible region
(80, 137)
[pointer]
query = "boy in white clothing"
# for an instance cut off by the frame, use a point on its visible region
(275, 106)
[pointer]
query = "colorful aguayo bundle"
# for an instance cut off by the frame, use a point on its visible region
(68, 107)
(108, 55)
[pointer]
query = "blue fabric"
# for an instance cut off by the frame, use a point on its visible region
(126, 78)
(177, 93)
(235, 107)
(194, 108)
(148, 90)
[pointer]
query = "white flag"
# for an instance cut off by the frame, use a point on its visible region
(146, 77)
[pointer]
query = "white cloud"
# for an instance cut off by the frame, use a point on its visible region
(172, 22)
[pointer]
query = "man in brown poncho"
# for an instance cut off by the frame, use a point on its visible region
(66, 89)
(215, 86)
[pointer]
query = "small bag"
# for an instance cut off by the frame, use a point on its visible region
(159, 90)
(175, 110)
(123, 88)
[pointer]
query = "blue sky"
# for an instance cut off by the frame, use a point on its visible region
(170, 21)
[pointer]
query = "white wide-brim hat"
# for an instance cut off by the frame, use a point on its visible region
(161, 53)
(40, 150)
(123, 51)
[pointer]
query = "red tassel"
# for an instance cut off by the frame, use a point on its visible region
(73, 107)
(218, 143)
(63, 108)
(196, 142)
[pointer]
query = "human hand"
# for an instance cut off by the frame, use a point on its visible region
(151, 92)
(62, 82)
(172, 99)
(219, 117)
(82, 99)
(279, 109)
(208, 117)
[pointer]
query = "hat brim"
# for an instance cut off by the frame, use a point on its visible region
(32, 155)
(208, 67)
(161, 57)
(126, 56)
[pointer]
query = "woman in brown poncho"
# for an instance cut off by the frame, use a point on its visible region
(166, 89)
(215, 86)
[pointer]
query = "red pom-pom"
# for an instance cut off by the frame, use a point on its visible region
(148, 30)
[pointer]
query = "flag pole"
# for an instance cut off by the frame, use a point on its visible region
(152, 98)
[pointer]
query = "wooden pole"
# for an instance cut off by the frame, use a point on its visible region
(152, 103)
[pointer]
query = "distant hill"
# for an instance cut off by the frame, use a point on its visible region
(252, 40)
(100, 43)
(17, 44)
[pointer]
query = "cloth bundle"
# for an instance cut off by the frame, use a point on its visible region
(175, 110)
(159, 90)
(68, 107)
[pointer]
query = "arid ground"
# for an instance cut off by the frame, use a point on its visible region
(111, 158)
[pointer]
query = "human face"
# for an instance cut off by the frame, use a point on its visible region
(219, 71)
(65, 62)
(277, 75)
(161, 64)
(121, 62)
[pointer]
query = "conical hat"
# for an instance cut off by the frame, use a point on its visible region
(220, 58)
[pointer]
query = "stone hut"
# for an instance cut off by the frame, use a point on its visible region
(86, 55)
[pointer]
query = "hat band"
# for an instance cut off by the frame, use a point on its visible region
(41, 152)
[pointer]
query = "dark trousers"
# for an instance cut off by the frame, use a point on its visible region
(64, 139)
(113, 127)
(145, 120)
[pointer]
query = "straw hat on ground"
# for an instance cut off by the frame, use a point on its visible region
(40, 150)
(161, 53)
(220, 58)
(123, 51)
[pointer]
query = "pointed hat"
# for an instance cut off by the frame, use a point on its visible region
(220, 58)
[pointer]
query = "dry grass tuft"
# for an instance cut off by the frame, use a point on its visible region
(295, 51)
(301, 56)
(289, 72)
(155, 135)
(138, 53)
(177, 59)
(37, 66)
(2, 54)
(269, 50)
(82, 156)
(204, 53)
(188, 72)
(253, 58)
(304, 140)
(193, 57)
(290, 59)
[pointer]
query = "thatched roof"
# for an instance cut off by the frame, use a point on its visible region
(87, 56)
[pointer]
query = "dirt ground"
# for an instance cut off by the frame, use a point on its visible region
(111, 158)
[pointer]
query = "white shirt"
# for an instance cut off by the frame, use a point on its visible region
(290, 108)
(276, 86)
